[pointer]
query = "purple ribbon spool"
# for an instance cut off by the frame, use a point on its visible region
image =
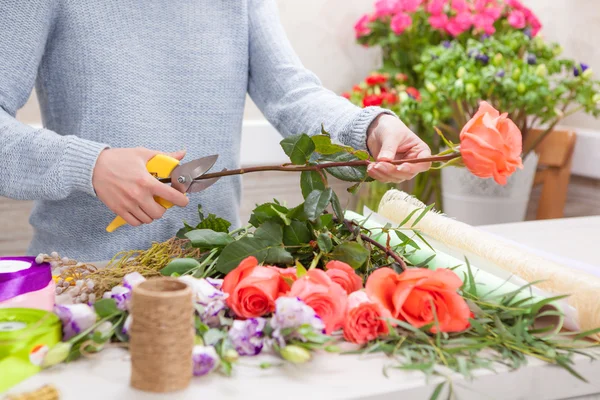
(13, 284)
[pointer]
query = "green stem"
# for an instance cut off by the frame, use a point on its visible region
(86, 332)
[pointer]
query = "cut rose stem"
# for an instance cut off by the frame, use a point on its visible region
(319, 167)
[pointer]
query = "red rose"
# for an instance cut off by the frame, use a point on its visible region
(414, 93)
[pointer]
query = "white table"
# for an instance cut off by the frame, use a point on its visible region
(331, 377)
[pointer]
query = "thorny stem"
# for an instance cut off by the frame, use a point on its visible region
(320, 167)
(389, 252)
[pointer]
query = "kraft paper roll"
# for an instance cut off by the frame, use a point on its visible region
(161, 335)
(553, 278)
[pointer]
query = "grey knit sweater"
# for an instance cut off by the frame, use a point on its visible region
(162, 74)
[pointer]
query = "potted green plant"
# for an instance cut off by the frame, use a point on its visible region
(522, 75)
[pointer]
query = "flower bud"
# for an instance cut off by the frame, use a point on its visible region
(587, 73)
(521, 88)
(541, 70)
(230, 355)
(557, 50)
(57, 354)
(596, 98)
(516, 73)
(498, 59)
(459, 84)
(295, 354)
(470, 88)
(430, 87)
(461, 72)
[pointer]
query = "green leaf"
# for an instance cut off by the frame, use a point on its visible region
(300, 269)
(296, 234)
(270, 232)
(267, 211)
(311, 180)
(106, 307)
(316, 202)
(438, 390)
(323, 145)
(180, 266)
(208, 238)
(337, 207)
(423, 213)
(326, 221)
(324, 242)
(348, 174)
(239, 250)
(298, 148)
(352, 253)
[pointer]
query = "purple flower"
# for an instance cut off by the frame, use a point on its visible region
(121, 295)
(132, 279)
(482, 58)
(290, 314)
(127, 325)
(528, 32)
(75, 318)
(217, 283)
(501, 73)
(580, 69)
(210, 301)
(447, 44)
(247, 336)
(485, 36)
(531, 59)
(205, 360)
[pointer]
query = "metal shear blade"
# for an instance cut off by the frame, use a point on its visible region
(183, 176)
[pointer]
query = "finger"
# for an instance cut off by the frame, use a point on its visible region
(389, 148)
(178, 155)
(153, 209)
(168, 193)
(130, 219)
(140, 215)
(386, 172)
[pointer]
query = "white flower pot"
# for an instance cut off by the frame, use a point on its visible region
(477, 201)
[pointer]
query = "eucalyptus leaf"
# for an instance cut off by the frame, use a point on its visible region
(352, 253)
(106, 307)
(179, 266)
(316, 202)
(298, 148)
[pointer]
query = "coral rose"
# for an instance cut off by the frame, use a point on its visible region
(418, 295)
(365, 319)
(491, 144)
(253, 289)
(327, 298)
(344, 275)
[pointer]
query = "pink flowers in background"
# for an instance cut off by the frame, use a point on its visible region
(453, 17)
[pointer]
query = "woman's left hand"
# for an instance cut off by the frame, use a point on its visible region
(389, 139)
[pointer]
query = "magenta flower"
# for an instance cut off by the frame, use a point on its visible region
(384, 8)
(436, 7)
(400, 22)
(535, 24)
(516, 4)
(438, 22)
(460, 6)
(459, 24)
(517, 20)
(362, 26)
(484, 23)
(409, 5)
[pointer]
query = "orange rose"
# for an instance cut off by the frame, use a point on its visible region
(491, 144)
(344, 275)
(365, 319)
(327, 298)
(415, 294)
(253, 289)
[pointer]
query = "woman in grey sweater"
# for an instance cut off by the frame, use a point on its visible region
(120, 80)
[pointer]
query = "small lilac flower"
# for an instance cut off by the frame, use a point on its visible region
(581, 68)
(483, 58)
(121, 295)
(501, 73)
(205, 360)
(531, 59)
(127, 325)
(75, 318)
(247, 336)
(210, 301)
(290, 314)
(132, 279)
(473, 53)
(485, 36)
(217, 283)
(528, 32)
(447, 44)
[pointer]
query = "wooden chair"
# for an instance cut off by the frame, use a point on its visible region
(554, 171)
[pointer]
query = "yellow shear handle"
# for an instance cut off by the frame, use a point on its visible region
(160, 166)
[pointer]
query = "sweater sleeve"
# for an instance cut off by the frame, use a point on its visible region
(292, 98)
(34, 163)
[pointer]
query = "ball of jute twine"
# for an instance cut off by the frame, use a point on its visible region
(161, 335)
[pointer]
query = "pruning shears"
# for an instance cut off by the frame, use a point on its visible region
(183, 177)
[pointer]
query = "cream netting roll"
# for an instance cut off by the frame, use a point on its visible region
(583, 289)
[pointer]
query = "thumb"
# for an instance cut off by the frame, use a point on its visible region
(178, 155)
(389, 148)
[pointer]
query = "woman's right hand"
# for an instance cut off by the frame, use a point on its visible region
(123, 183)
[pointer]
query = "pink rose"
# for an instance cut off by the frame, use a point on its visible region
(436, 7)
(459, 24)
(400, 22)
(438, 21)
(484, 23)
(516, 19)
(409, 5)
(383, 8)
(362, 26)
(344, 275)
